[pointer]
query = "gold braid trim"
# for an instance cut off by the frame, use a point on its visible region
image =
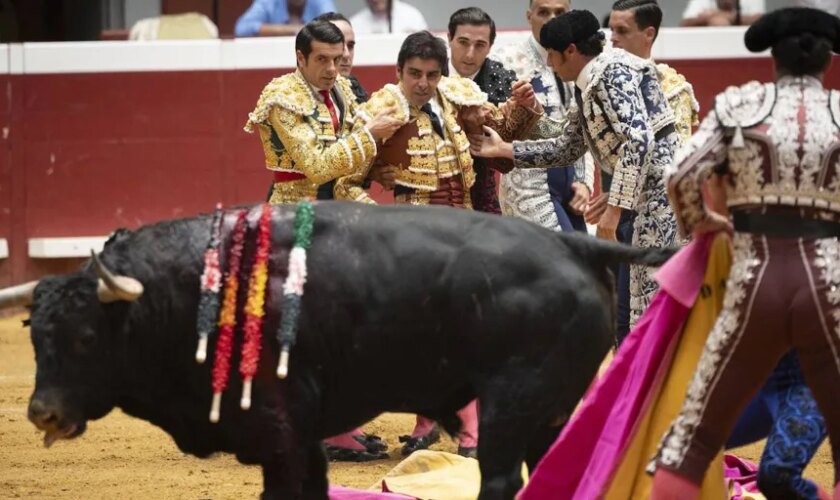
(461, 91)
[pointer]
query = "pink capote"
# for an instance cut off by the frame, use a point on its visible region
(583, 458)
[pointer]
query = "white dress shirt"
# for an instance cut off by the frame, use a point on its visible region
(404, 19)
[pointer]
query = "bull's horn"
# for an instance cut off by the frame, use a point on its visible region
(19, 295)
(114, 287)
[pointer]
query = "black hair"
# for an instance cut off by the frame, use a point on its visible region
(804, 54)
(319, 31)
(646, 13)
(471, 16)
(332, 16)
(424, 45)
(592, 46)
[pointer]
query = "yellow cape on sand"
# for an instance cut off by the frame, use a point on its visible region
(435, 475)
(631, 481)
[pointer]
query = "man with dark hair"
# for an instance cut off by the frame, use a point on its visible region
(346, 67)
(621, 116)
(279, 17)
(306, 125)
(554, 198)
(471, 36)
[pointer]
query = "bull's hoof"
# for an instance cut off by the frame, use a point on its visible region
(372, 442)
(336, 454)
(468, 451)
(413, 444)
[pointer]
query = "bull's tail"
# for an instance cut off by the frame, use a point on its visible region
(600, 253)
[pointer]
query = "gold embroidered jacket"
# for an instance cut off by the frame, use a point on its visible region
(423, 157)
(297, 135)
(680, 95)
(779, 142)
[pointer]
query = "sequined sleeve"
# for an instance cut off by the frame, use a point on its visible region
(321, 161)
(692, 166)
(625, 109)
(565, 148)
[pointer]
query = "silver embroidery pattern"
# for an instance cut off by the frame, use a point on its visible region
(790, 130)
(828, 262)
(719, 346)
(654, 225)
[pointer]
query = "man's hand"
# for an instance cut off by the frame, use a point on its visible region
(384, 175)
(595, 209)
(383, 125)
(522, 94)
(490, 145)
(609, 223)
(712, 224)
(581, 198)
(474, 117)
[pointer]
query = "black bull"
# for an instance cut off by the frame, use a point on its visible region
(406, 309)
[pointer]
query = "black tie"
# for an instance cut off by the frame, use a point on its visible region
(561, 87)
(427, 108)
(579, 98)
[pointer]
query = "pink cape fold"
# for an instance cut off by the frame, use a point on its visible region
(579, 464)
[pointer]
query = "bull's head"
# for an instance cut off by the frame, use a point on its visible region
(74, 338)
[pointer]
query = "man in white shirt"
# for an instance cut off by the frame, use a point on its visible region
(722, 12)
(374, 19)
(830, 6)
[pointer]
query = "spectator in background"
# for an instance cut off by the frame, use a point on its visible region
(722, 12)
(830, 6)
(280, 17)
(403, 18)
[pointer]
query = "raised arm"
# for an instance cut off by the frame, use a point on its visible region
(565, 148)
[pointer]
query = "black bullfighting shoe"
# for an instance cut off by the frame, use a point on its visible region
(372, 442)
(338, 454)
(413, 444)
(468, 451)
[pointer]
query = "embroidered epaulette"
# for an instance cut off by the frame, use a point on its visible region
(745, 106)
(461, 91)
(612, 57)
(345, 87)
(289, 92)
(389, 96)
(498, 81)
(674, 83)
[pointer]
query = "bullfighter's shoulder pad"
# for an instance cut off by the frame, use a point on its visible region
(745, 106)
(461, 91)
(290, 92)
(345, 88)
(389, 96)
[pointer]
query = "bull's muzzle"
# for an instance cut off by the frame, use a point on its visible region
(47, 416)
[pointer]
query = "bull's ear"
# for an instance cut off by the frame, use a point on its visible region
(19, 295)
(115, 287)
